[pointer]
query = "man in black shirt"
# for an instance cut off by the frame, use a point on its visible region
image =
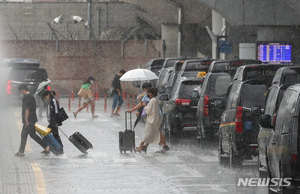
(117, 93)
(29, 119)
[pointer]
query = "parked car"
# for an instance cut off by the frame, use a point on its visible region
(173, 76)
(23, 71)
(155, 65)
(213, 96)
(189, 69)
(239, 125)
(284, 77)
(167, 69)
(179, 109)
(284, 148)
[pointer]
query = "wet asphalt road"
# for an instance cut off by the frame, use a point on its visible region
(184, 169)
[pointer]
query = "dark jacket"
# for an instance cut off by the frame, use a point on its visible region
(53, 110)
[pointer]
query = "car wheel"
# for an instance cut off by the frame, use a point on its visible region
(222, 160)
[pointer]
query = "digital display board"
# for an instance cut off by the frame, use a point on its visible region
(274, 52)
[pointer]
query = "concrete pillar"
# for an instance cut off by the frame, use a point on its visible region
(169, 33)
(217, 24)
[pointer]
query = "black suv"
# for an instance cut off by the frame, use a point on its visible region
(23, 71)
(213, 96)
(239, 125)
(284, 149)
(179, 109)
(284, 77)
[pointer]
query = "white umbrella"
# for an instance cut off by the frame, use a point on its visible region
(138, 75)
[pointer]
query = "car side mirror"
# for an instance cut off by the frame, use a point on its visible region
(256, 110)
(164, 97)
(265, 121)
(218, 104)
(136, 84)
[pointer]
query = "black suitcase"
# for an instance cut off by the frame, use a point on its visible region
(127, 137)
(79, 141)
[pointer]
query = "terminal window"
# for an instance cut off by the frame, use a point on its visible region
(274, 52)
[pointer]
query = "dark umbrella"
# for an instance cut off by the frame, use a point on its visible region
(138, 118)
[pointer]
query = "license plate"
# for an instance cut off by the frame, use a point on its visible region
(248, 125)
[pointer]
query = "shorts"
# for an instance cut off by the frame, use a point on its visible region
(87, 100)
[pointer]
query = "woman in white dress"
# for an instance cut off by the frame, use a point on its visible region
(151, 133)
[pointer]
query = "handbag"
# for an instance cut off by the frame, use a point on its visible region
(82, 93)
(62, 115)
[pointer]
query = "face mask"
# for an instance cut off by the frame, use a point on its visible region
(92, 81)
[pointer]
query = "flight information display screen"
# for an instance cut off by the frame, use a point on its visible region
(274, 52)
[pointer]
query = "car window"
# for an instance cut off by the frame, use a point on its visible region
(258, 73)
(170, 63)
(187, 87)
(222, 84)
(291, 79)
(233, 96)
(253, 94)
(162, 75)
(20, 74)
(218, 84)
(190, 74)
(196, 66)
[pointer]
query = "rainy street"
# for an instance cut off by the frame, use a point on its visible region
(184, 169)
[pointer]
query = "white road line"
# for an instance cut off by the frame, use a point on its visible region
(191, 171)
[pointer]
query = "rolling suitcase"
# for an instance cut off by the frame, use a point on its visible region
(127, 137)
(79, 141)
(55, 147)
(42, 130)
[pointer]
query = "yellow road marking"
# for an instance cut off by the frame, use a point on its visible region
(39, 178)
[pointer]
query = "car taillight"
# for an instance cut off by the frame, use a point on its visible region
(184, 102)
(274, 119)
(238, 119)
(8, 88)
(48, 88)
(205, 105)
(294, 157)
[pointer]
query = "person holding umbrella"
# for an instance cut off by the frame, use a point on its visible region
(140, 106)
(143, 98)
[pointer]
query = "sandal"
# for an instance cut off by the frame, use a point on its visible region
(137, 149)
